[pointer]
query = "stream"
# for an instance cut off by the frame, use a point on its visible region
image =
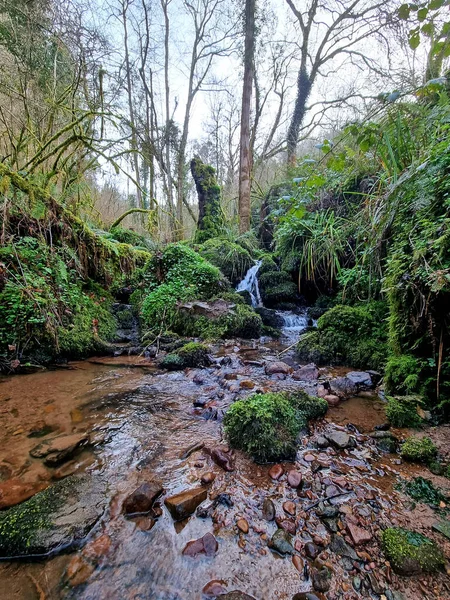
(145, 424)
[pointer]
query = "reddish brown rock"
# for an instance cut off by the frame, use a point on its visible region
(98, 547)
(294, 479)
(273, 368)
(309, 457)
(289, 507)
(14, 491)
(247, 384)
(332, 400)
(205, 545)
(145, 523)
(184, 504)
(214, 588)
(287, 525)
(207, 478)
(242, 525)
(358, 534)
(141, 500)
(276, 472)
(298, 563)
(58, 449)
(79, 571)
(222, 459)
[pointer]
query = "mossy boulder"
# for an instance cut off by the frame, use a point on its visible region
(192, 355)
(55, 519)
(266, 426)
(233, 260)
(277, 287)
(267, 264)
(401, 411)
(420, 450)
(411, 553)
(348, 335)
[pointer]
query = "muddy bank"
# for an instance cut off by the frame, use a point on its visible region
(329, 504)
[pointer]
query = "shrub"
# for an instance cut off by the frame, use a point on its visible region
(239, 321)
(233, 260)
(266, 426)
(402, 375)
(418, 449)
(423, 490)
(410, 552)
(354, 336)
(401, 411)
(128, 236)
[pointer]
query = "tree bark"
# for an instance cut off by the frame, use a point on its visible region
(304, 85)
(245, 156)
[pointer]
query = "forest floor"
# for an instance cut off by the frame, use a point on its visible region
(123, 422)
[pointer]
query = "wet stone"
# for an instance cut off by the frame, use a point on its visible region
(184, 504)
(59, 449)
(235, 595)
(273, 368)
(340, 547)
(205, 545)
(14, 491)
(276, 472)
(242, 525)
(294, 479)
(339, 439)
(358, 534)
(311, 550)
(298, 563)
(307, 373)
(222, 459)
(207, 478)
(321, 579)
(268, 510)
(214, 588)
(282, 542)
(142, 499)
(322, 442)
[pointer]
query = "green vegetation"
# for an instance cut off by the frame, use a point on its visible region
(277, 287)
(191, 355)
(420, 450)
(266, 426)
(401, 411)
(410, 552)
(423, 490)
(232, 259)
(211, 218)
(355, 336)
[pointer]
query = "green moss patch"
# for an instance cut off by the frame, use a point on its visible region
(266, 426)
(401, 411)
(277, 287)
(418, 449)
(233, 260)
(423, 490)
(192, 355)
(410, 552)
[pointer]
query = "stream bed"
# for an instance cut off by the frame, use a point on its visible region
(143, 424)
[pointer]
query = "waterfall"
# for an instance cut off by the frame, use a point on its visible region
(293, 323)
(250, 284)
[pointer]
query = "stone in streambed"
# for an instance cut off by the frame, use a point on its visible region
(214, 588)
(207, 478)
(332, 400)
(268, 510)
(276, 472)
(14, 491)
(59, 449)
(235, 595)
(222, 459)
(282, 542)
(339, 439)
(294, 479)
(307, 373)
(242, 525)
(142, 499)
(183, 505)
(358, 534)
(274, 368)
(289, 507)
(321, 579)
(340, 547)
(205, 545)
(298, 563)
(311, 550)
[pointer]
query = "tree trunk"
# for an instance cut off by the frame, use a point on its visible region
(245, 156)
(303, 91)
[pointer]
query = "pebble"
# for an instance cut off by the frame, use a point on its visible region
(298, 563)
(242, 525)
(294, 479)
(289, 507)
(268, 510)
(208, 478)
(276, 472)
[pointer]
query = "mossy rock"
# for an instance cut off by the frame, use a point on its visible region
(422, 490)
(266, 426)
(411, 553)
(267, 264)
(192, 355)
(233, 260)
(348, 335)
(277, 287)
(420, 450)
(56, 519)
(401, 411)
(125, 318)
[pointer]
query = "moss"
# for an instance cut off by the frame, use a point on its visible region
(128, 236)
(233, 260)
(401, 411)
(410, 552)
(191, 355)
(239, 321)
(125, 318)
(346, 335)
(402, 374)
(418, 449)
(267, 264)
(211, 218)
(277, 287)
(266, 426)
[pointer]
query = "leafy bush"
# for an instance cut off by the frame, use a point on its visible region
(354, 336)
(423, 490)
(401, 411)
(266, 426)
(128, 236)
(402, 375)
(233, 260)
(418, 449)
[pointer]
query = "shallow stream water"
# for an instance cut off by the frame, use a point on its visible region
(143, 420)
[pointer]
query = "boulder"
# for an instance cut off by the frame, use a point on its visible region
(273, 368)
(183, 505)
(339, 439)
(361, 379)
(343, 387)
(142, 499)
(270, 317)
(307, 373)
(411, 553)
(59, 449)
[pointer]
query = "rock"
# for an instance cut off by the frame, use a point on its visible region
(214, 588)
(358, 534)
(307, 373)
(340, 547)
(361, 379)
(187, 453)
(411, 553)
(311, 550)
(79, 570)
(321, 579)
(305, 596)
(386, 444)
(328, 512)
(343, 387)
(207, 478)
(247, 384)
(298, 563)
(443, 527)
(339, 439)
(222, 459)
(289, 507)
(273, 368)
(322, 391)
(309, 458)
(14, 491)
(184, 504)
(322, 442)
(276, 472)
(356, 583)
(332, 400)
(235, 595)
(294, 479)
(142, 499)
(375, 584)
(205, 545)
(268, 510)
(270, 317)
(61, 516)
(282, 542)
(242, 525)
(382, 427)
(287, 525)
(59, 449)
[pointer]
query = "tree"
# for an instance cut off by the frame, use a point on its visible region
(245, 164)
(332, 33)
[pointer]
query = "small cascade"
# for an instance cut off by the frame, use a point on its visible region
(293, 323)
(250, 284)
